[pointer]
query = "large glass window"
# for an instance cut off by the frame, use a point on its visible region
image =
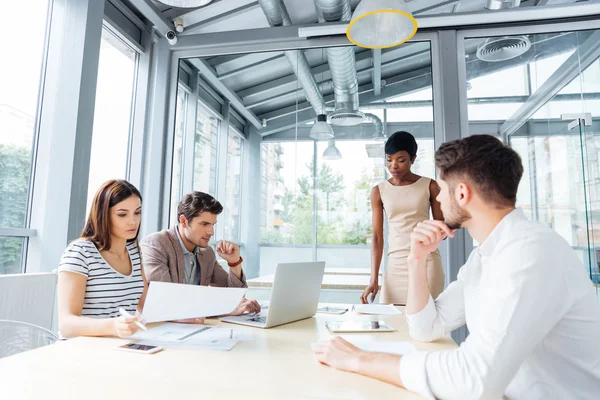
(112, 112)
(561, 180)
(205, 151)
(20, 73)
(233, 185)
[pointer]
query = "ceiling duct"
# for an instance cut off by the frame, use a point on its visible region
(500, 4)
(503, 48)
(277, 15)
(185, 3)
(342, 65)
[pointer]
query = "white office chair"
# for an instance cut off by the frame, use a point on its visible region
(28, 298)
(16, 337)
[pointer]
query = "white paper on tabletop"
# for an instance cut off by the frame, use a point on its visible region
(377, 309)
(171, 332)
(171, 301)
(223, 345)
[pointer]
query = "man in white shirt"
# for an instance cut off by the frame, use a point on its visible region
(530, 307)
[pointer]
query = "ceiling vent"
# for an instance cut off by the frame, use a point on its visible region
(346, 117)
(503, 48)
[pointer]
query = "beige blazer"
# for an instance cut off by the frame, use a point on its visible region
(163, 261)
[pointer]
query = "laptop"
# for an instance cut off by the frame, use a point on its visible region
(294, 296)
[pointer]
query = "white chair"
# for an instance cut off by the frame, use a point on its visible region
(16, 337)
(28, 298)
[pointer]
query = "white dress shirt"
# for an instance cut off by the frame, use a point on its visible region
(533, 318)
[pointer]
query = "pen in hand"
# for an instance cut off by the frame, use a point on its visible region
(138, 323)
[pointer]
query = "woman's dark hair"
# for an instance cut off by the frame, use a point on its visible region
(401, 141)
(195, 203)
(97, 227)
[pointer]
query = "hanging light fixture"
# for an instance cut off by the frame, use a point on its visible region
(379, 24)
(321, 130)
(185, 3)
(332, 152)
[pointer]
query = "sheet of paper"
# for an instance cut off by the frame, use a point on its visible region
(171, 301)
(172, 332)
(377, 309)
(223, 345)
(240, 334)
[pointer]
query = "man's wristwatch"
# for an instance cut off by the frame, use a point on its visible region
(235, 264)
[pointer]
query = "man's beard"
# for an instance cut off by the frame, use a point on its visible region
(458, 216)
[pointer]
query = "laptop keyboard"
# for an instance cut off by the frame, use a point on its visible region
(258, 318)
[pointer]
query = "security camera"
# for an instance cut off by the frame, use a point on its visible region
(171, 37)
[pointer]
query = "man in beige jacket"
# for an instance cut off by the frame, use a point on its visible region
(182, 254)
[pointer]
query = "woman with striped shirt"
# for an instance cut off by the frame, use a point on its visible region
(101, 272)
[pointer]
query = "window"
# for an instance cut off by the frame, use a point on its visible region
(560, 184)
(112, 112)
(205, 152)
(20, 86)
(180, 113)
(233, 185)
(288, 193)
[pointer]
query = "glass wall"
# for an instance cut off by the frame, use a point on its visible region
(112, 113)
(20, 82)
(529, 98)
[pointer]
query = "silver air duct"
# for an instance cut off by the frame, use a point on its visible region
(499, 4)
(277, 15)
(379, 134)
(342, 64)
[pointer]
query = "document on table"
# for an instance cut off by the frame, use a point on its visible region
(172, 301)
(171, 333)
(377, 309)
(224, 345)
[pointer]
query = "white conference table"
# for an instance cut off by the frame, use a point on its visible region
(277, 364)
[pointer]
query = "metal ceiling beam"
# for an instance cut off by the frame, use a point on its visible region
(245, 67)
(449, 20)
(149, 10)
(196, 19)
(587, 53)
(211, 78)
(377, 71)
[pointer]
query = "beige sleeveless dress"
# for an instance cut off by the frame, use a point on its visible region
(405, 207)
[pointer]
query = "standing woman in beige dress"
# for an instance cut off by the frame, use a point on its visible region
(406, 198)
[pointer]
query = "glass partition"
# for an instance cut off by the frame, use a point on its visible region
(541, 94)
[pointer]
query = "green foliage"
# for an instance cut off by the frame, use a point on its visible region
(298, 211)
(14, 180)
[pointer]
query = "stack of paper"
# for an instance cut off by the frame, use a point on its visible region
(193, 336)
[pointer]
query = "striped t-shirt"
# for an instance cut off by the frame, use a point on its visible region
(107, 290)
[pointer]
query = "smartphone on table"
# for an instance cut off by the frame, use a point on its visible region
(140, 348)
